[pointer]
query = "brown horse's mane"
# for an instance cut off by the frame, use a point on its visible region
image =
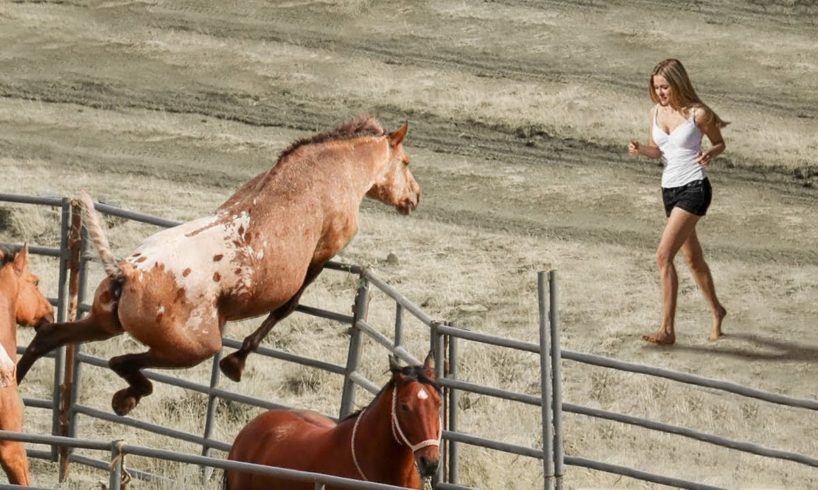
(354, 128)
(412, 372)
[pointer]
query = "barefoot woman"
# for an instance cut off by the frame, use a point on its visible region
(677, 123)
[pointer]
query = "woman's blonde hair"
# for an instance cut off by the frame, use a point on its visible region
(682, 93)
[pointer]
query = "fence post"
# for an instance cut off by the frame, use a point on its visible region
(74, 249)
(62, 306)
(439, 351)
(556, 356)
(354, 355)
(77, 365)
(212, 403)
(545, 386)
(117, 464)
(454, 395)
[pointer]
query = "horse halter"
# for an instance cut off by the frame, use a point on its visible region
(397, 433)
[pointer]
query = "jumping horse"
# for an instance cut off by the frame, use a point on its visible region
(395, 440)
(21, 302)
(255, 255)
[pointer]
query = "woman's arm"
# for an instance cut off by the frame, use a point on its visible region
(649, 150)
(709, 126)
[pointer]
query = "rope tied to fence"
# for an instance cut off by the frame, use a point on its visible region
(119, 460)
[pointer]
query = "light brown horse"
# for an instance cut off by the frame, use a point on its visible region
(20, 302)
(395, 440)
(254, 256)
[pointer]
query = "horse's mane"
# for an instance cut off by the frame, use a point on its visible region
(354, 128)
(416, 373)
(6, 255)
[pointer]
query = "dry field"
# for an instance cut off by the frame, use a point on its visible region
(519, 115)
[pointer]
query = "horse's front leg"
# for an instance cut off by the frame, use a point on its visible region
(233, 365)
(13, 453)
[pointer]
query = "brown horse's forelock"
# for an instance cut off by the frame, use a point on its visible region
(412, 372)
(354, 128)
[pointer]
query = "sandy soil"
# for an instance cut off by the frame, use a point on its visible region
(519, 115)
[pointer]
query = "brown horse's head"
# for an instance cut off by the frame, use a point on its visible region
(395, 184)
(32, 308)
(416, 412)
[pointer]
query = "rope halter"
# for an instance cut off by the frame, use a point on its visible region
(397, 433)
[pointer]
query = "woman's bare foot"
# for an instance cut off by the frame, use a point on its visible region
(716, 333)
(661, 337)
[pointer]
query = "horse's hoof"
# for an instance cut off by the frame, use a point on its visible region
(232, 366)
(123, 402)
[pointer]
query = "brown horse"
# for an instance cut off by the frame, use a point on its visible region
(256, 255)
(395, 440)
(20, 302)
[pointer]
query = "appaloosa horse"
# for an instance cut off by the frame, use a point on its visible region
(20, 302)
(255, 255)
(395, 440)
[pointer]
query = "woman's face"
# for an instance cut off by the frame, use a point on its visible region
(662, 89)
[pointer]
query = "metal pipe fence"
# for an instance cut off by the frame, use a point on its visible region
(446, 342)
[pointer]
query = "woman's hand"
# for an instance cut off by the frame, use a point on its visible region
(633, 147)
(704, 159)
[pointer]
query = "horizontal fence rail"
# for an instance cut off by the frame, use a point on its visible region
(120, 449)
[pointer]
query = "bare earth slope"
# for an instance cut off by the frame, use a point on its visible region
(519, 116)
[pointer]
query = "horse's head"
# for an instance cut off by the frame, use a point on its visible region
(32, 308)
(416, 412)
(395, 184)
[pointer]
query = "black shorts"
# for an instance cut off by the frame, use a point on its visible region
(693, 197)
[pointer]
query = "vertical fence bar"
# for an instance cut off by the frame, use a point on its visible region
(117, 463)
(438, 349)
(545, 386)
(212, 403)
(398, 323)
(554, 318)
(454, 396)
(62, 308)
(83, 288)
(355, 341)
(74, 251)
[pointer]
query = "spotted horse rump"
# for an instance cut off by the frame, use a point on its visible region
(256, 254)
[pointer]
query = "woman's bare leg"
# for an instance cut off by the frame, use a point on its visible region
(679, 226)
(692, 251)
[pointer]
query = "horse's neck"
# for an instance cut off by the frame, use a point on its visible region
(8, 321)
(329, 170)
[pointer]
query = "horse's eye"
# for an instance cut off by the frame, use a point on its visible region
(404, 407)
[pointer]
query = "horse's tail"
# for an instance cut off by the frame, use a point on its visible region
(97, 234)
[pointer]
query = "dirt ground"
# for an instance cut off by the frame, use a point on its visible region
(519, 114)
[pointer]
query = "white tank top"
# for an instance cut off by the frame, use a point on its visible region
(679, 149)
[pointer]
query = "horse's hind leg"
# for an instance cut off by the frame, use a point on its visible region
(129, 367)
(53, 335)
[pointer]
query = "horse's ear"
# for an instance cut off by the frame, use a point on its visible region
(429, 364)
(394, 365)
(21, 259)
(397, 136)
